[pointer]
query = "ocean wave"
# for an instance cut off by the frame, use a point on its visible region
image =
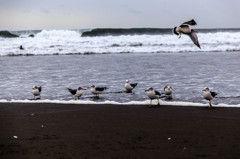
(55, 54)
(103, 32)
(144, 103)
(7, 34)
(120, 31)
(70, 42)
(142, 31)
(58, 34)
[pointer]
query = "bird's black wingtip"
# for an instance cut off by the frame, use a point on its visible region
(194, 22)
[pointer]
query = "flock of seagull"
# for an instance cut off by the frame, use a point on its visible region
(184, 28)
(152, 94)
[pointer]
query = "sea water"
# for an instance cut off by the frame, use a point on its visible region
(187, 73)
(65, 59)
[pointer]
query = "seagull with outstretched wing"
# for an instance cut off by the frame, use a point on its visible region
(185, 29)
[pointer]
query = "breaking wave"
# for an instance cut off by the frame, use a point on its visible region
(114, 41)
(131, 31)
(7, 34)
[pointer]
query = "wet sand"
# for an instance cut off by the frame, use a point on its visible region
(61, 131)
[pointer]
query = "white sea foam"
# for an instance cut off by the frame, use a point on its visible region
(58, 34)
(49, 42)
(144, 103)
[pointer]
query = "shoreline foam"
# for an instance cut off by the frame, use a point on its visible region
(146, 102)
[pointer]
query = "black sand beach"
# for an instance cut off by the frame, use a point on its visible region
(58, 131)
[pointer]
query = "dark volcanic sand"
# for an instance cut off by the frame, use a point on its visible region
(58, 131)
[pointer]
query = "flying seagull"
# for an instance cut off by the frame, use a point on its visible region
(185, 29)
(152, 94)
(129, 86)
(97, 90)
(208, 95)
(77, 93)
(36, 91)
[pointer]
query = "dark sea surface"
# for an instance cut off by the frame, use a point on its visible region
(187, 72)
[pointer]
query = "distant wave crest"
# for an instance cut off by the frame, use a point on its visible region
(141, 31)
(58, 34)
(120, 31)
(7, 34)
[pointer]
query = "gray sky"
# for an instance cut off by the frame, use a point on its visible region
(79, 14)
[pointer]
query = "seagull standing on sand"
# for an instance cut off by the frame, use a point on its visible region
(129, 86)
(185, 29)
(208, 95)
(152, 94)
(36, 91)
(97, 90)
(77, 93)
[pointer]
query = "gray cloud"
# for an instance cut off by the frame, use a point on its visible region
(44, 10)
(125, 13)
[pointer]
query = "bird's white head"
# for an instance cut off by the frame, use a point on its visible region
(168, 88)
(206, 89)
(149, 89)
(127, 81)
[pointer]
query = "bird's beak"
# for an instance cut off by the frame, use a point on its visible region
(84, 88)
(146, 90)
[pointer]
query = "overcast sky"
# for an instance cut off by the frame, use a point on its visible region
(80, 14)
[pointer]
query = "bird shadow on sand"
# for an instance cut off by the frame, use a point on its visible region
(117, 92)
(35, 98)
(93, 98)
(167, 98)
(227, 97)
